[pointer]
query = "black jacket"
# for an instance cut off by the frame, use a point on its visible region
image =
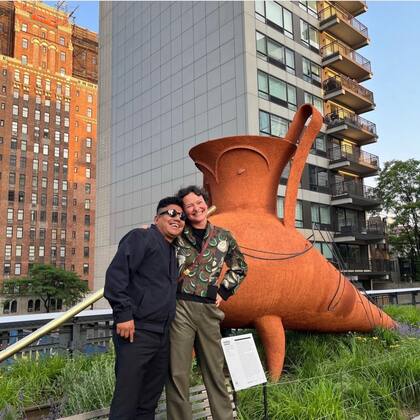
(141, 281)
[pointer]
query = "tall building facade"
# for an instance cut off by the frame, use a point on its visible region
(174, 74)
(47, 143)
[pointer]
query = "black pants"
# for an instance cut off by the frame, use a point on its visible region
(141, 369)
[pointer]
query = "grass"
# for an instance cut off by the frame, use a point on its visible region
(330, 376)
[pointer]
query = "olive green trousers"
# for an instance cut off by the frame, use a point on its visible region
(196, 325)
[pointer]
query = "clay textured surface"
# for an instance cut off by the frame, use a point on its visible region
(290, 285)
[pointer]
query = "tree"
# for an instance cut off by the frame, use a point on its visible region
(398, 188)
(48, 282)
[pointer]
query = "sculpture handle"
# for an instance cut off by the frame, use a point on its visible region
(303, 137)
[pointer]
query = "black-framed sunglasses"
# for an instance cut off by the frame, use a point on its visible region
(173, 213)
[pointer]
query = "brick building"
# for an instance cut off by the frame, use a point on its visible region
(48, 96)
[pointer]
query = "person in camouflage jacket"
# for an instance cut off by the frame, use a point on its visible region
(202, 250)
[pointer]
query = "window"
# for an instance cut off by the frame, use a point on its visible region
(58, 89)
(24, 59)
(34, 198)
(20, 214)
(33, 216)
(87, 219)
(273, 125)
(10, 215)
(62, 56)
(314, 100)
(276, 16)
(26, 79)
(24, 128)
(56, 152)
(275, 53)
(87, 188)
(21, 197)
(6, 271)
(319, 146)
(276, 90)
(63, 234)
(35, 164)
(15, 110)
(31, 253)
(87, 172)
(18, 250)
(86, 251)
(88, 157)
(309, 6)
(318, 179)
(325, 249)
(88, 142)
(62, 41)
(12, 178)
(90, 98)
(87, 204)
(17, 269)
(12, 160)
(25, 112)
(89, 112)
(320, 215)
(86, 235)
(11, 195)
(58, 105)
(309, 35)
(66, 122)
(67, 90)
(62, 71)
(45, 149)
(44, 182)
(32, 234)
(67, 106)
(298, 212)
(37, 305)
(14, 127)
(54, 234)
(57, 119)
(24, 43)
(17, 76)
(89, 127)
(53, 252)
(85, 268)
(64, 185)
(24, 27)
(65, 153)
(62, 251)
(311, 72)
(8, 252)
(66, 137)
(19, 232)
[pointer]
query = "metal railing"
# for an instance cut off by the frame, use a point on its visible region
(371, 265)
(331, 11)
(353, 188)
(377, 229)
(356, 155)
(337, 47)
(334, 83)
(340, 116)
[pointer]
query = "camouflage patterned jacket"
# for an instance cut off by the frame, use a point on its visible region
(198, 276)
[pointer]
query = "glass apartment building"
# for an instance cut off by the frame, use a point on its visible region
(175, 74)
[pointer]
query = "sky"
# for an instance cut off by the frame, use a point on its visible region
(394, 52)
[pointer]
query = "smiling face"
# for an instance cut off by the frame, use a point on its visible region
(196, 209)
(170, 227)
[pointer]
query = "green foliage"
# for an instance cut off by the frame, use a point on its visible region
(48, 282)
(332, 376)
(398, 188)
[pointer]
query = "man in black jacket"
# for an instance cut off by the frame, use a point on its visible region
(140, 285)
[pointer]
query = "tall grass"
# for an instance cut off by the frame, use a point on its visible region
(330, 376)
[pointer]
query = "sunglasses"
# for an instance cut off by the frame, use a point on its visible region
(173, 213)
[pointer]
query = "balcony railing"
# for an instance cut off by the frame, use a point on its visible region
(353, 188)
(337, 47)
(341, 116)
(358, 228)
(345, 16)
(375, 265)
(334, 83)
(357, 156)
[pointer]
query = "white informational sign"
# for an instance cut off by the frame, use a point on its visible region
(243, 361)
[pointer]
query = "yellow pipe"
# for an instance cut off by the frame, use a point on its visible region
(60, 320)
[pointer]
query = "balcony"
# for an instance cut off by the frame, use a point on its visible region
(353, 7)
(360, 234)
(345, 60)
(349, 93)
(344, 124)
(373, 267)
(354, 195)
(354, 160)
(342, 25)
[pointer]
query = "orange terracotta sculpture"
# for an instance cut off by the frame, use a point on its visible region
(290, 285)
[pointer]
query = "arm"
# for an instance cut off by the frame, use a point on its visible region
(237, 269)
(130, 252)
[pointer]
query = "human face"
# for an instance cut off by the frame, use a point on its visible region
(170, 227)
(196, 210)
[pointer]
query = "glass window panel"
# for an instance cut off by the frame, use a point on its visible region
(259, 7)
(280, 207)
(290, 58)
(314, 213)
(298, 212)
(306, 67)
(321, 144)
(274, 13)
(288, 23)
(279, 126)
(261, 43)
(313, 37)
(262, 82)
(325, 215)
(318, 104)
(291, 94)
(278, 88)
(326, 251)
(304, 31)
(275, 51)
(264, 122)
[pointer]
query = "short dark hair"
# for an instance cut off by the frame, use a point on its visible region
(193, 189)
(167, 201)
